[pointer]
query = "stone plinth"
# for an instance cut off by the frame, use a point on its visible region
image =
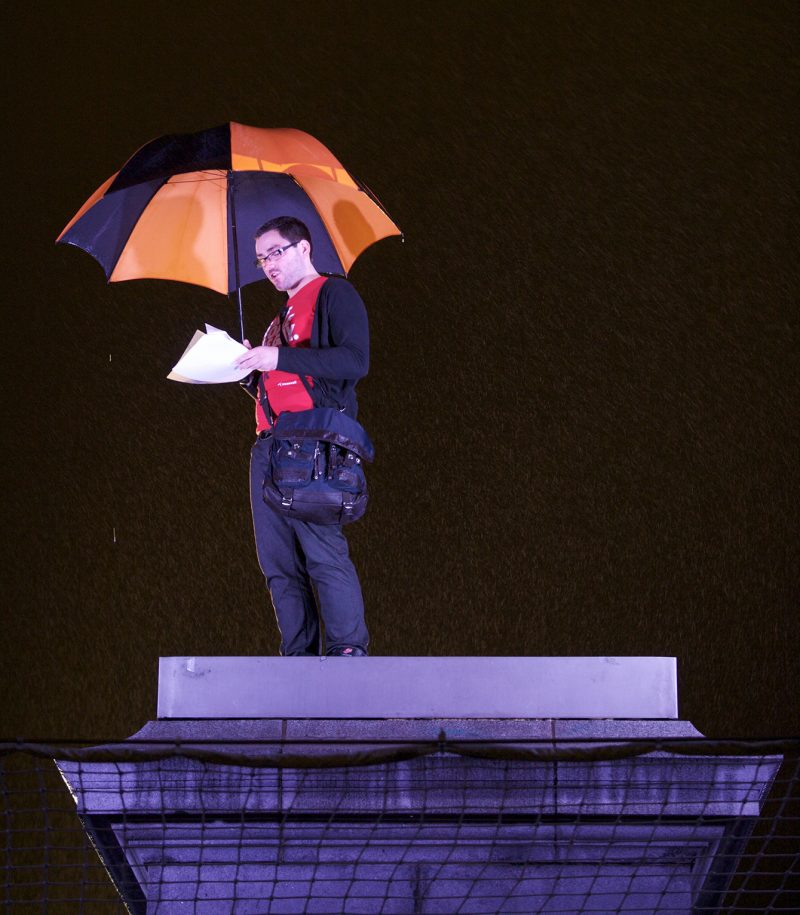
(430, 814)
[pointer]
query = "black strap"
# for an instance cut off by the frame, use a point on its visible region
(264, 400)
(281, 319)
(308, 388)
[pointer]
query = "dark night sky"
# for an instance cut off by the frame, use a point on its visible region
(584, 372)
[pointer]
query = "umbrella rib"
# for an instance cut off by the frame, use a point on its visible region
(373, 197)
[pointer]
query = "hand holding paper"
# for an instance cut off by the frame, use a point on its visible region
(210, 358)
(262, 358)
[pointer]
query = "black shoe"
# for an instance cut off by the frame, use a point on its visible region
(346, 651)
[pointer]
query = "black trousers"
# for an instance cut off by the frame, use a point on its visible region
(297, 557)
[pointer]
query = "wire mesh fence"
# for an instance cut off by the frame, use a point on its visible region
(401, 827)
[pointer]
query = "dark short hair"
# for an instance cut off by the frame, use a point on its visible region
(290, 228)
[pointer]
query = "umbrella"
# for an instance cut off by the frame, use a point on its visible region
(186, 206)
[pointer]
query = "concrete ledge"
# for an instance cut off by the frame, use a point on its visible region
(417, 687)
(326, 731)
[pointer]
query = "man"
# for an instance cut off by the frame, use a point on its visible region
(312, 354)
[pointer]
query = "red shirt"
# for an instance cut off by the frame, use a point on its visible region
(285, 390)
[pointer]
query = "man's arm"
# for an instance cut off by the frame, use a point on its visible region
(348, 358)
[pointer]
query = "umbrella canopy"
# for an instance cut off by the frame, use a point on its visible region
(185, 207)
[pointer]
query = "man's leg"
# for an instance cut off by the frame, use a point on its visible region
(284, 566)
(330, 568)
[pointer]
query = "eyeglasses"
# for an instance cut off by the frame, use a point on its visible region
(273, 255)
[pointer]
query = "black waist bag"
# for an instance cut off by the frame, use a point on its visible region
(317, 467)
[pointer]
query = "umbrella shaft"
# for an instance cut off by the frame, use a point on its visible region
(232, 211)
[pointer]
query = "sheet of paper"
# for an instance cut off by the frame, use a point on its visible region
(209, 359)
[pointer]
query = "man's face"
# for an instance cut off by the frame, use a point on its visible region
(286, 271)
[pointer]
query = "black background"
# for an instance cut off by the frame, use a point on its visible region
(584, 372)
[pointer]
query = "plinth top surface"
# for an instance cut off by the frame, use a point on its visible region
(417, 687)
